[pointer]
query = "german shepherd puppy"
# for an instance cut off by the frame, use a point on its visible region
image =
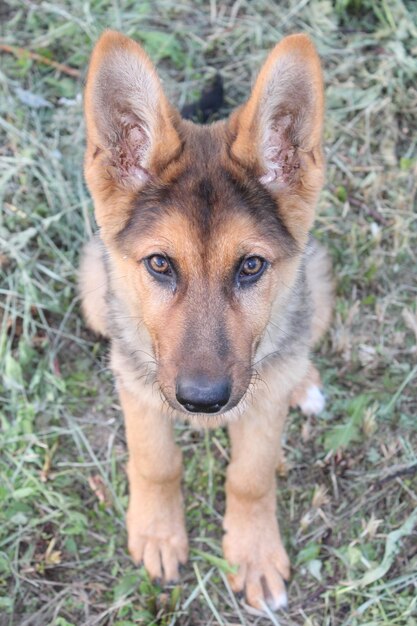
(210, 288)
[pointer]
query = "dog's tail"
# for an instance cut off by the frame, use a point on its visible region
(209, 104)
(93, 287)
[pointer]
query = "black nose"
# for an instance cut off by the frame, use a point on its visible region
(203, 395)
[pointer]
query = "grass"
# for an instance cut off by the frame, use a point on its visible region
(348, 505)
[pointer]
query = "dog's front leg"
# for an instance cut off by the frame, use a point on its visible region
(252, 541)
(155, 517)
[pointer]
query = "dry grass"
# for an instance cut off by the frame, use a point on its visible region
(348, 505)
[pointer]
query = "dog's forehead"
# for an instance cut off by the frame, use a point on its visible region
(204, 204)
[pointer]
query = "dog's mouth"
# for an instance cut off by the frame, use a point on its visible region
(217, 415)
(197, 409)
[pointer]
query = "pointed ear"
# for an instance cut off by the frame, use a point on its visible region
(130, 124)
(278, 131)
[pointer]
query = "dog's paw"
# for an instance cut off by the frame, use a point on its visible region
(159, 541)
(313, 401)
(263, 586)
(161, 556)
(262, 562)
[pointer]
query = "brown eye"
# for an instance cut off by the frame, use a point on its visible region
(250, 270)
(252, 266)
(159, 264)
(160, 268)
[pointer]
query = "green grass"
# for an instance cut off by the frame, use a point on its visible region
(347, 514)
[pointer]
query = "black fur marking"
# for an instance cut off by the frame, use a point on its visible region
(206, 193)
(205, 190)
(207, 328)
(147, 209)
(263, 208)
(223, 344)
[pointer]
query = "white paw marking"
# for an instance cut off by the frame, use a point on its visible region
(313, 402)
(280, 602)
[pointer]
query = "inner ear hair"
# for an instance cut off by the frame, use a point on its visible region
(125, 91)
(126, 110)
(283, 116)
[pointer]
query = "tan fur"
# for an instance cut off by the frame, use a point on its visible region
(111, 197)
(298, 394)
(321, 284)
(138, 145)
(92, 285)
(155, 517)
(292, 63)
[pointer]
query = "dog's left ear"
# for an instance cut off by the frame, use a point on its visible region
(278, 132)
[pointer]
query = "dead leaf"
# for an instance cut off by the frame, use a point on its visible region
(99, 488)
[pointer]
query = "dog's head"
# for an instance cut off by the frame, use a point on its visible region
(205, 225)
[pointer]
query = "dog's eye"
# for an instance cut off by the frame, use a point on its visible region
(159, 266)
(252, 266)
(251, 269)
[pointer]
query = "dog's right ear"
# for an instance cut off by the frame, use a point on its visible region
(130, 124)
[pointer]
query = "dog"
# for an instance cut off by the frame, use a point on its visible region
(206, 280)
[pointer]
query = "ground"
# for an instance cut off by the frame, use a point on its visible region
(347, 505)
